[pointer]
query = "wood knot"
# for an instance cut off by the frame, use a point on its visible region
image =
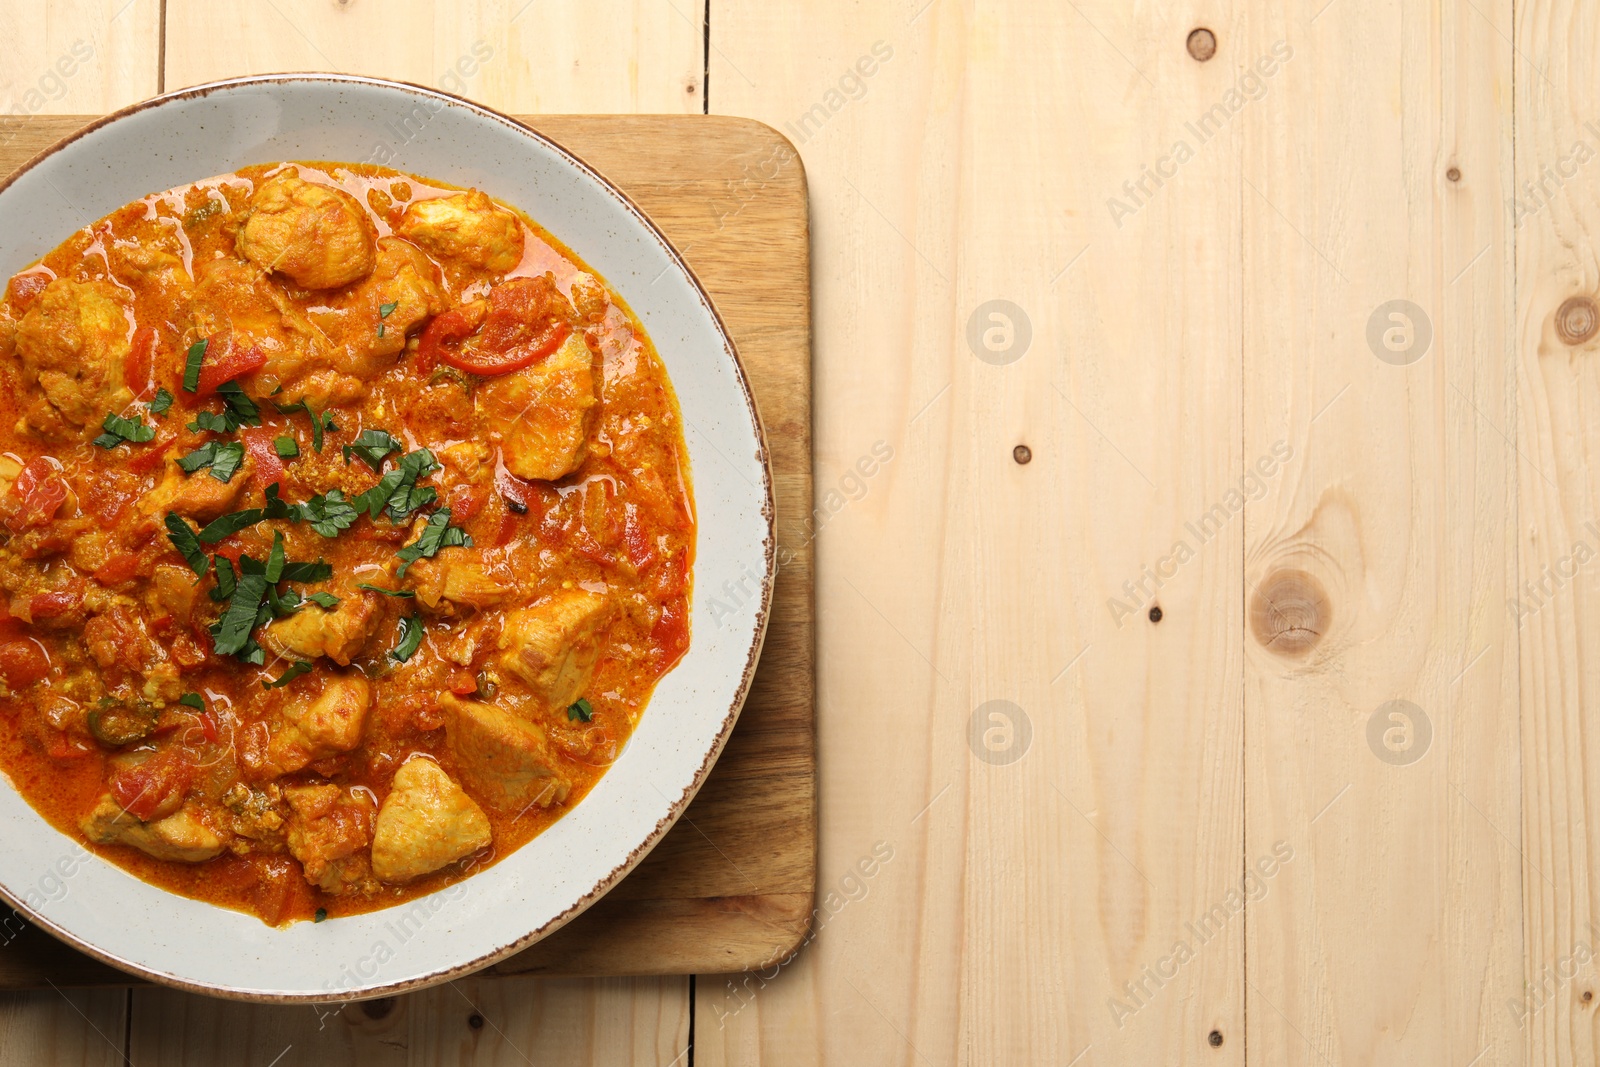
(377, 1009)
(1290, 612)
(1202, 44)
(1454, 174)
(1022, 454)
(1576, 320)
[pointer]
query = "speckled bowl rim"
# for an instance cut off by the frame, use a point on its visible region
(607, 883)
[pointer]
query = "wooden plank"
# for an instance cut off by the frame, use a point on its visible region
(64, 1027)
(80, 57)
(731, 886)
(1553, 211)
(1378, 563)
(973, 163)
(518, 55)
(478, 1021)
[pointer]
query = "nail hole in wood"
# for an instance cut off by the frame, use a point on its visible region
(1215, 1037)
(1454, 174)
(1022, 454)
(1202, 44)
(1155, 612)
(1290, 612)
(1577, 320)
(377, 1009)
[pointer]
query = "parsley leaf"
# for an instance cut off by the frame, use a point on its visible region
(286, 447)
(328, 513)
(231, 633)
(226, 460)
(188, 545)
(371, 446)
(228, 524)
(191, 365)
(203, 456)
(275, 560)
(581, 709)
(296, 669)
(193, 700)
(118, 429)
(160, 402)
(320, 571)
(386, 592)
(437, 534)
(214, 421)
(319, 423)
(385, 310)
(410, 638)
(243, 410)
(325, 601)
(407, 497)
(225, 580)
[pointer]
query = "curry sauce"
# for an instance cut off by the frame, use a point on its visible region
(345, 531)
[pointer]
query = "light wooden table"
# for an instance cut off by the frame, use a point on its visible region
(1337, 508)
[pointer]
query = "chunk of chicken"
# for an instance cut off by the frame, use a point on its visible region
(329, 829)
(474, 578)
(180, 836)
(322, 726)
(197, 496)
(426, 822)
(553, 646)
(544, 414)
(319, 237)
(504, 760)
(235, 305)
(467, 227)
(338, 634)
(365, 340)
(73, 343)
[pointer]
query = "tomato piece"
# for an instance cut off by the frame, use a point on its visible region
(269, 465)
(120, 568)
(525, 320)
(154, 787)
(466, 501)
(229, 548)
(139, 369)
(54, 604)
(41, 490)
(447, 331)
(208, 726)
(61, 745)
(461, 682)
(22, 663)
(669, 637)
(236, 362)
(24, 288)
(641, 552)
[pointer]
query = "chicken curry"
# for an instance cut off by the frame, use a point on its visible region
(345, 531)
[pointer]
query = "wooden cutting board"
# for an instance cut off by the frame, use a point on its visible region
(730, 888)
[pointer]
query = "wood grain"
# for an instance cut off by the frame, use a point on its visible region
(731, 886)
(1392, 937)
(1555, 214)
(974, 163)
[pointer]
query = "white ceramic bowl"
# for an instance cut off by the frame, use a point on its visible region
(208, 130)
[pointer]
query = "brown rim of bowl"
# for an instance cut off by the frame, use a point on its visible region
(606, 884)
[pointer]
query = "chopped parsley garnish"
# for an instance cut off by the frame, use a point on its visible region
(296, 669)
(286, 447)
(406, 593)
(371, 446)
(188, 545)
(328, 513)
(118, 429)
(160, 402)
(325, 601)
(385, 310)
(320, 571)
(410, 638)
(193, 700)
(230, 524)
(191, 365)
(239, 406)
(225, 580)
(275, 560)
(322, 913)
(231, 633)
(437, 534)
(319, 423)
(580, 709)
(214, 421)
(223, 457)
